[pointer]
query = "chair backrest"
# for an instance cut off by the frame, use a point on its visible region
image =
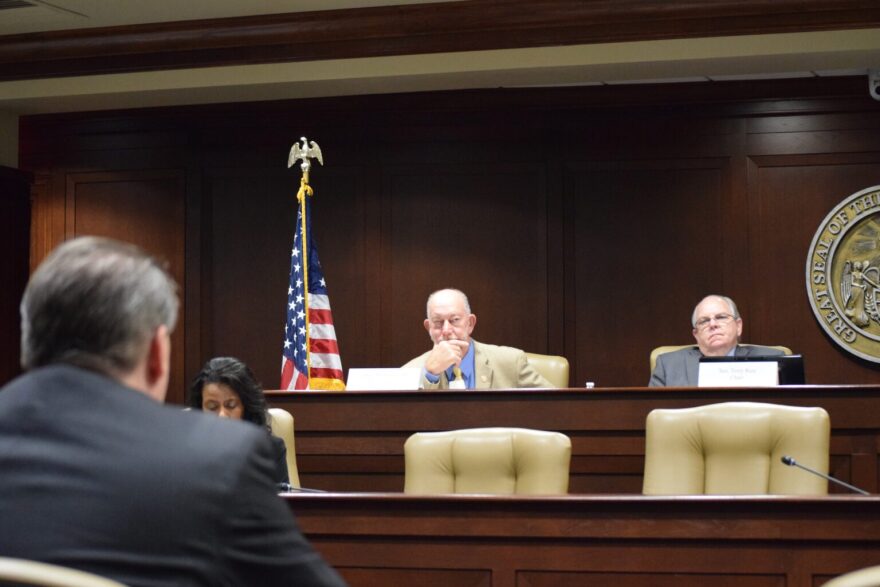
(868, 577)
(553, 368)
(735, 448)
(281, 422)
(675, 347)
(15, 571)
(501, 461)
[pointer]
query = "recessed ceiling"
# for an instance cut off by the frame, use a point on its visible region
(707, 59)
(29, 16)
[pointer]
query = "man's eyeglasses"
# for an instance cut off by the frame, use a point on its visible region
(703, 323)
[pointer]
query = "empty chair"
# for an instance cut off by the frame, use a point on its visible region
(869, 577)
(15, 571)
(501, 461)
(553, 368)
(281, 422)
(735, 448)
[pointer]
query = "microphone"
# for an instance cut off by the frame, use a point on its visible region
(793, 463)
(288, 488)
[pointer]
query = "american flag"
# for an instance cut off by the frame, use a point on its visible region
(321, 366)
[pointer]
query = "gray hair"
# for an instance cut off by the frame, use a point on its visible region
(95, 303)
(725, 299)
(467, 304)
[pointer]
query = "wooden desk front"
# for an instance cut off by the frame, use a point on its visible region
(605, 541)
(353, 441)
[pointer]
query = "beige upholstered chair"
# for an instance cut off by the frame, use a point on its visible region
(501, 461)
(14, 571)
(735, 448)
(281, 422)
(869, 577)
(553, 368)
(675, 347)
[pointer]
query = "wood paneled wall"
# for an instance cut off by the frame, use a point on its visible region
(14, 242)
(581, 221)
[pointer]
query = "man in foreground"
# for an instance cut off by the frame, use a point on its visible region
(457, 361)
(717, 327)
(98, 475)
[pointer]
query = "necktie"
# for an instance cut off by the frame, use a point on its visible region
(458, 382)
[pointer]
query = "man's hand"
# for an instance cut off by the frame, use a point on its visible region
(444, 354)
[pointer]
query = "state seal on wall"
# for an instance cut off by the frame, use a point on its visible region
(843, 274)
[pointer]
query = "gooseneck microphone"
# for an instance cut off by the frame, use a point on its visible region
(793, 463)
(288, 488)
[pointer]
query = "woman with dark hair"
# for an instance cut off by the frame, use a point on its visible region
(226, 387)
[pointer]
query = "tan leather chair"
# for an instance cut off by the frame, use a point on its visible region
(868, 577)
(553, 368)
(502, 461)
(675, 347)
(281, 422)
(735, 448)
(15, 571)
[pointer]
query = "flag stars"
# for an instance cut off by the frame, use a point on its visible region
(296, 267)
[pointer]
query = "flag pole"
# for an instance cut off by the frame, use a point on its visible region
(305, 190)
(306, 152)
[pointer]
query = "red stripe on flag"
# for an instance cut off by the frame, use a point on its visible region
(286, 373)
(326, 346)
(320, 316)
(326, 373)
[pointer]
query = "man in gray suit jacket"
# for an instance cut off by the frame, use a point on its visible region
(98, 475)
(717, 327)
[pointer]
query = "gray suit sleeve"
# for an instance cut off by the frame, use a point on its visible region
(658, 377)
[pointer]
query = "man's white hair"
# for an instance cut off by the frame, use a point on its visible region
(730, 304)
(467, 304)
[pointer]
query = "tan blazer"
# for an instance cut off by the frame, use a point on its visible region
(495, 367)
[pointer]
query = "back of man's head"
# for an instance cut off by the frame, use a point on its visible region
(95, 303)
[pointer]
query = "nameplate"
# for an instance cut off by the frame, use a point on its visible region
(738, 374)
(390, 379)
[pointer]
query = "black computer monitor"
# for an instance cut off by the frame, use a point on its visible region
(791, 367)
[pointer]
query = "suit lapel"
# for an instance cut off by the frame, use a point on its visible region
(482, 367)
(692, 366)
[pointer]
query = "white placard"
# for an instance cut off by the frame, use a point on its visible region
(738, 374)
(390, 379)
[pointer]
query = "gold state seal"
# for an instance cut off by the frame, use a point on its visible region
(843, 274)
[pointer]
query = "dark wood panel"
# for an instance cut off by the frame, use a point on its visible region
(455, 227)
(596, 540)
(15, 217)
(420, 28)
(634, 228)
(354, 441)
(145, 208)
(805, 188)
(581, 221)
(252, 220)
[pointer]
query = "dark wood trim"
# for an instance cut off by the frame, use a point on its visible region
(501, 541)
(399, 30)
(353, 441)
